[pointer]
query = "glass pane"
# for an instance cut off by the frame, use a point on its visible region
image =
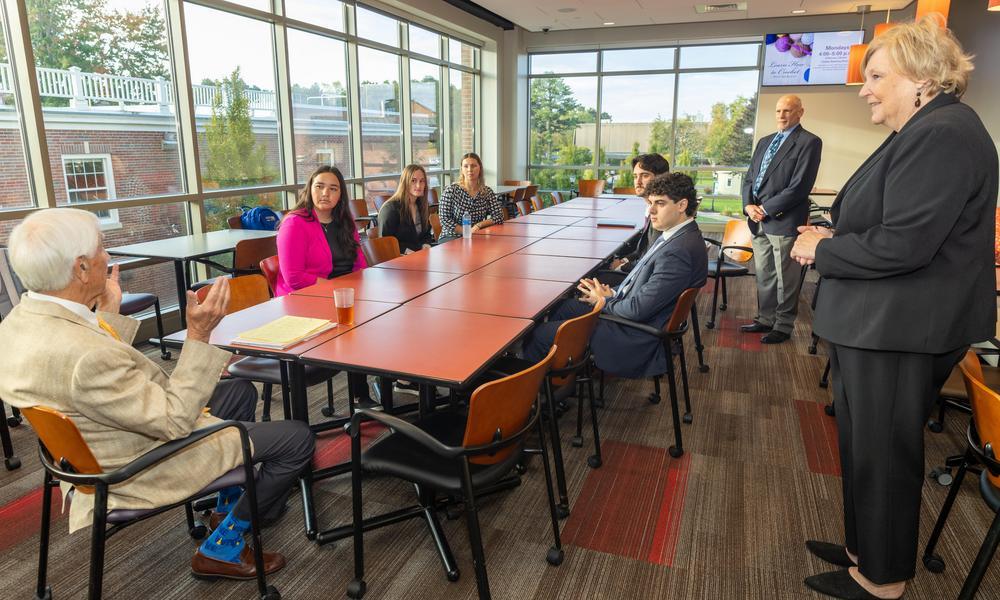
(381, 187)
(558, 180)
(462, 127)
(563, 116)
(16, 189)
(643, 59)
(575, 62)
(425, 106)
(637, 120)
(264, 5)
(715, 118)
(425, 42)
(109, 92)
(381, 135)
(326, 13)
(318, 73)
(144, 224)
(235, 103)
(218, 210)
(729, 55)
(377, 27)
(461, 53)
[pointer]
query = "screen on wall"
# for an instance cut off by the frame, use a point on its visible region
(808, 58)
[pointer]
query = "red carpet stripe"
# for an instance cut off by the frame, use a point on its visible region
(819, 438)
(21, 518)
(334, 447)
(632, 506)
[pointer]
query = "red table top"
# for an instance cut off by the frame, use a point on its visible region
(561, 210)
(459, 256)
(445, 347)
(581, 248)
(604, 234)
(299, 306)
(531, 230)
(591, 203)
(505, 296)
(533, 266)
(545, 219)
(380, 285)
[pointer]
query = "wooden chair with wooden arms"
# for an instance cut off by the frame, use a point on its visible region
(624, 190)
(235, 222)
(269, 267)
(733, 260)
(251, 290)
(358, 207)
(590, 188)
(379, 200)
(672, 333)
(455, 452)
(524, 208)
(517, 182)
(435, 220)
(983, 436)
(557, 198)
(378, 250)
(66, 457)
(571, 370)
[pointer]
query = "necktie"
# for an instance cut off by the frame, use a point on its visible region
(645, 258)
(768, 156)
(108, 328)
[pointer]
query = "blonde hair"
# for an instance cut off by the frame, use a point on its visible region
(925, 51)
(461, 176)
(403, 192)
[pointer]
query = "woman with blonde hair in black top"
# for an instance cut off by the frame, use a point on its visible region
(405, 216)
(469, 195)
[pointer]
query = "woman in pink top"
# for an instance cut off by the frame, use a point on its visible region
(318, 238)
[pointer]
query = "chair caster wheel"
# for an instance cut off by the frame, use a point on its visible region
(935, 426)
(46, 596)
(452, 512)
(453, 575)
(829, 410)
(198, 532)
(710, 325)
(594, 461)
(520, 468)
(555, 556)
(654, 398)
(356, 589)
(688, 418)
(165, 355)
(272, 594)
(703, 368)
(723, 306)
(933, 563)
(12, 463)
(14, 421)
(944, 478)
(577, 441)
(562, 511)
(676, 452)
(328, 412)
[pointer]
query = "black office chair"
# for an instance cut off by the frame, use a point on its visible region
(136, 303)
(10, 460)
(455, 453)
(733, 260)
(66, 457)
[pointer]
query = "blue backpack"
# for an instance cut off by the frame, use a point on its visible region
(259, 217)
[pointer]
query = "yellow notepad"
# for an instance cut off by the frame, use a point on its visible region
(284, 331)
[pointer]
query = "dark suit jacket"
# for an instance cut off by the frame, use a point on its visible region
(784, 192)
(637, 248)
(392, 222)
(910, 267)
(680, 263)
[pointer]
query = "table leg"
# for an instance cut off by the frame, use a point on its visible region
(299, 398)
(180, 278)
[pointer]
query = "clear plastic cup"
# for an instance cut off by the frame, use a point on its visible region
(343, 299)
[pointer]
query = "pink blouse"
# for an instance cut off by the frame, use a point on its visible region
(304, 255)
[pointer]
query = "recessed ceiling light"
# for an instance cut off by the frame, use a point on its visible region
(609, 22)
(799, 11)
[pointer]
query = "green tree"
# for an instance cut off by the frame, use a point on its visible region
(555, 113)
(659, 136)
(690, 140)
(728, 142)
(625, 177)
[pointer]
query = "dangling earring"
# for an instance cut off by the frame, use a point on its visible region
(917, 103)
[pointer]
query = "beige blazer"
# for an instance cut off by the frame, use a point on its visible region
(122, 402)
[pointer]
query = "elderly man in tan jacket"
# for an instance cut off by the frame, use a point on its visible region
(58, 352)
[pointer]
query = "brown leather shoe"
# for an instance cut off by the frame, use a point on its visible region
(204, 567)
(215, 519)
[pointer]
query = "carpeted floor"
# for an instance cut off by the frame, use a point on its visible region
(727, 520)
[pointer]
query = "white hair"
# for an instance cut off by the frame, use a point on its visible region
(45, 246)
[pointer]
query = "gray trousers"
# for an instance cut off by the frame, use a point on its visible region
(282, 449)
(778, 281)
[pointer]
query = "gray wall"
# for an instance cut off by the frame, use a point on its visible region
(979, 31)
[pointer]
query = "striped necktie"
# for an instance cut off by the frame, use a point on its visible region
(768, 156)
(108, 328)
(623, 287)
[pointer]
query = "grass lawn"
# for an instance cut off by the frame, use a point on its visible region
(722, 204)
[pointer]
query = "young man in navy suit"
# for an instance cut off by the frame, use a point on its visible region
(675, 262)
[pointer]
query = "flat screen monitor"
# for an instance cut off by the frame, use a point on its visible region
(818, 58)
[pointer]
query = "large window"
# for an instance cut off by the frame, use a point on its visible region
(425, 108)
(15, 191)
(695, 105)
(90, 179)
(381, 135)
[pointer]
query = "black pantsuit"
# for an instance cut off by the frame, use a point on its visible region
(881, 410)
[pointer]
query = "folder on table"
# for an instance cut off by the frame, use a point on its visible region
(284, 332)
(604, 222)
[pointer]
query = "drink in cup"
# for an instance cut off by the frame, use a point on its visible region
(343, 299)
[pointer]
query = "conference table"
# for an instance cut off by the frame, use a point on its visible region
(182, 250)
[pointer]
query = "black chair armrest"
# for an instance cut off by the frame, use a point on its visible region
(640, 326)
(713, 242)
(407, 429)
(744, 248)
(152, 457)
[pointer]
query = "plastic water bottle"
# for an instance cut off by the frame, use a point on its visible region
(467, 225)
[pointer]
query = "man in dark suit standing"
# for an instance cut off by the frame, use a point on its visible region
(675, 262)
(776, 202)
